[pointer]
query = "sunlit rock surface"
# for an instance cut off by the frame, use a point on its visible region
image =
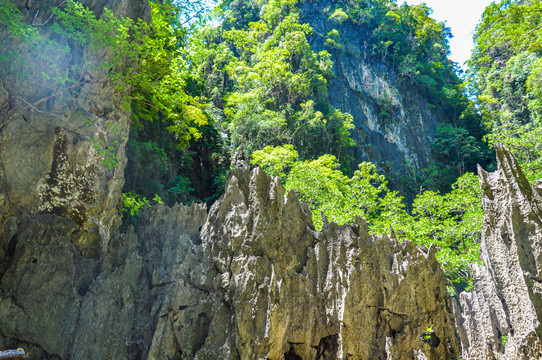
(271, 287)
(501, 317)
(252, 279)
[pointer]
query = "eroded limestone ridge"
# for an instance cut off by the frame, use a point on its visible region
(252, 279)
(501, 317)
(269, 286)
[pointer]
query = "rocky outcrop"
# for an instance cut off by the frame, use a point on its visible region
(271, 286)
(252, 279)
(502, 317)
(62, 147)
(57, 304)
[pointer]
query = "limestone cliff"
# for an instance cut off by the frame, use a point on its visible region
(52, 141)
(502, 317)
(270, 286)
(394, 125)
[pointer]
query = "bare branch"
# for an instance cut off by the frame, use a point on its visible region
(42, 100)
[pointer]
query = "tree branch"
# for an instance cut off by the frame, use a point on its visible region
(42, 100)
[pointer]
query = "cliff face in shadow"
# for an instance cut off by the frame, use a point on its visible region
(501, 318)
(394, 125)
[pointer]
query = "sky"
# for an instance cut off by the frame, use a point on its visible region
(461, 16)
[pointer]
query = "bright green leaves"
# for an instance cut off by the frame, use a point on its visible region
(27, 57)
(525, 142)
(333, 40)
(272, 86)
(276, 161)
(11, 20)
(505, 73)
(133, 203)
(452, 222)
(145, 63)
(275, 11)
(142, 60)
(505, 63)
(321, 185)
(338, 16)
(410, 41)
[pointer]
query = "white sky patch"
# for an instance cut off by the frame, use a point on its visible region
(461, 16)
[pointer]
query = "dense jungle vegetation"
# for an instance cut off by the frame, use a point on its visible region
(243, 86)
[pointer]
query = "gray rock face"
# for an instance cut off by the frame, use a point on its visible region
(501, 318)
(258, 281)
(52, 154)
(281, 290)
(394, 124)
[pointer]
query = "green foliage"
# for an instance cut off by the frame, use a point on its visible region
(338, 16)
(408, 40)
(505, 63)
(333, 40)
(426, 336)
(155, 167)
(525, 142)
(505, 69)
(415, 46)
(504, 339)
(276, 161)
(28, 56)
(12, 21)
(455, 152)
(270, 84)
(145, 63)
(451, 222)
(133, 203)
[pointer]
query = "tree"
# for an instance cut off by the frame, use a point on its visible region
(271, 86)
(504, 75)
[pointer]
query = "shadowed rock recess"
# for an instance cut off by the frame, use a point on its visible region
(501, 318)
(257, 282)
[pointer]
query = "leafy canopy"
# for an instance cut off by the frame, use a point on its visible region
(143, 60)
(505, 73)
(270, 85)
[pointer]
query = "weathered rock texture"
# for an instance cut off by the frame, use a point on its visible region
(49, 160)
(505, 306)
(271, 287)
(257, 282)
(395, 125)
